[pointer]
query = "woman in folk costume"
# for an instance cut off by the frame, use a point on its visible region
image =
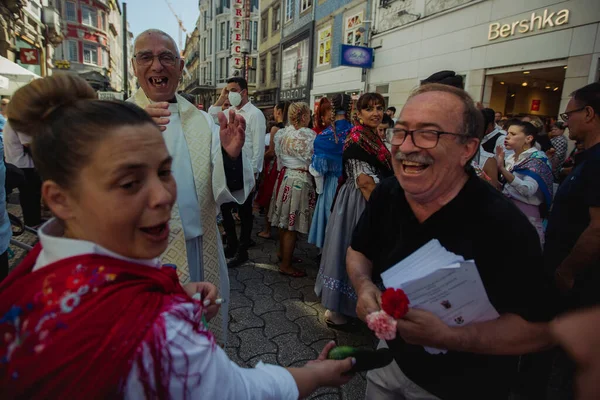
(294, 198)
(270, 170)
(91, 313)
(326, 165)
(527, 174)
(323, 116)
(366, 161)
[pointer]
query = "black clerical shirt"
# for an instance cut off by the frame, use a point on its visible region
(479, 224)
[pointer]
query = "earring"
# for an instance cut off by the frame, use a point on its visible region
(360, 121)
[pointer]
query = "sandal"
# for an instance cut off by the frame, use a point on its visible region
(295, 274)
(264, 237)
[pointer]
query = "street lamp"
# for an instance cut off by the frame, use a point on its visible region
(246, 45)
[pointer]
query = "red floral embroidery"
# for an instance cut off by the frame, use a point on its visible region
(312, 200)
(395, 302)
(292, 220)
(286, 193)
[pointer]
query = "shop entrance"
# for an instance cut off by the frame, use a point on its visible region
(526, 91)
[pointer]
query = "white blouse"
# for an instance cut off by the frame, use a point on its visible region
(294, 147)
(523, 188)
(220, 379)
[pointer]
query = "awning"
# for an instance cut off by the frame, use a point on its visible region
(16, 75)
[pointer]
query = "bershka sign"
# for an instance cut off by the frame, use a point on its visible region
(537, 22)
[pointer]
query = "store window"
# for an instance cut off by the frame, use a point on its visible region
(289, 10)
(73, 51)
(295, 65)
(305, 5)
(353, 26)
(89, 16)
(324, 45)
(71, 11)
(90, 54)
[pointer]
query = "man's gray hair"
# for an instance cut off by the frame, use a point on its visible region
(472, 121)
(156, 32)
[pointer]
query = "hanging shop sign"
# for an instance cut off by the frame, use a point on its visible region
(357, 56)
(536, 22)
(29, 56)
(237, 32)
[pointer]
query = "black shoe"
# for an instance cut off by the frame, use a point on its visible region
(229, 251)
(240, 258)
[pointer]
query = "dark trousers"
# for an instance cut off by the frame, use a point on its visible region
(3, 265)
(246, 217)
(30, 196)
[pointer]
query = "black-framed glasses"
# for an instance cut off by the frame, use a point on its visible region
(422, 138)
(145, 59)
(565, 116)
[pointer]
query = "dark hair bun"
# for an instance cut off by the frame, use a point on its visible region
(445, 78)
(33, 105)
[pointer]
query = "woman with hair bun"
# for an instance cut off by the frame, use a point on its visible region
(326, 165)
(294, 198)
(91, 313)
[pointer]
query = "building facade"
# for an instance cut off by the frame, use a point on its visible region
(191, 56)
(86, 49)
(338, 22)
(223, 26)
(29, 31)
(269, 61)
(296, 50)
(516, 57)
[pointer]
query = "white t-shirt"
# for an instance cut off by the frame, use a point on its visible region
(13, 148)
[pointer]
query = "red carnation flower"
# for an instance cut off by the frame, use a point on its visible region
(395, 302)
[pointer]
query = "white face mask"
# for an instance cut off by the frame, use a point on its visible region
(235, 98)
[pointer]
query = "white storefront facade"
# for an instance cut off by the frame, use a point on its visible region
(519, 57)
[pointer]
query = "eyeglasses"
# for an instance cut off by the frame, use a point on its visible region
(422, 138)
(565, 116)
(146, 59)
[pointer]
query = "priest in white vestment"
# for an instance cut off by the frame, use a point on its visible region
(209, 166)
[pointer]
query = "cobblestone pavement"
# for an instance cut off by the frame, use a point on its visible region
(274, 318)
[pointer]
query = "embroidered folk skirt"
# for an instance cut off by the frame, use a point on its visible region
(294, 200)
(333, 285)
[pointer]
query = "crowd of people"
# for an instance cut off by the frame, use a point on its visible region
(122, 296)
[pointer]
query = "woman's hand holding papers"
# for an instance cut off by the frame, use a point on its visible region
(424, 328)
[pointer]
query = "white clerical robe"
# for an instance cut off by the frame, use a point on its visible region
(188, 201)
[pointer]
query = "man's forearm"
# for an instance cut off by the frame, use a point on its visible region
(359, 268)
(508, 335)
(585, 252)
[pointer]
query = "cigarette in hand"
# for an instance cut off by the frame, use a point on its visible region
(206, 302)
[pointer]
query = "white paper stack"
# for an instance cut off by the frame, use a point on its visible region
(437, 280)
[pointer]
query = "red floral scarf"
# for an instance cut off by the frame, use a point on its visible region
(73, 329)
(365, 145)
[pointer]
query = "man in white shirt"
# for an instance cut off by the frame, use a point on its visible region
(17, 153)
(209, 166)
(236, 92)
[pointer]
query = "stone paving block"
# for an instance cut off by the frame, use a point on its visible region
(255, 287)
(237, 300)
(282, 291)
(298, 283)
(295, 309)
(271, 277)
(264, 304)
(325, 394)
(244, 318)
(265, 358)
(276, 324)
(311, 330)
(254, 343)
(234, 284)
(308, 294)
(232, 353)
(319, 345)
(361, 338)
(355, 389)
(290, 351)
(233, 339)
(247, 272)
